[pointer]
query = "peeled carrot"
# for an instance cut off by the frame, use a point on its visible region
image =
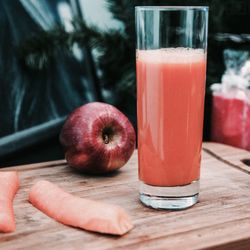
(78, 212)
(9, 184)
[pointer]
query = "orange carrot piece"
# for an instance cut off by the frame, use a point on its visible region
(78, 212)
(9, 184)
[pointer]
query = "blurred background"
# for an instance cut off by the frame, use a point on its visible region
(57, 55)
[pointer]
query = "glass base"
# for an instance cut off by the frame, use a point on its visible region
(172, 198)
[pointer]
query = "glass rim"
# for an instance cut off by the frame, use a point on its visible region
(173, 8)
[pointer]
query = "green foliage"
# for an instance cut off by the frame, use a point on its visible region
(116, 48)
(37, 51)
(41, 48)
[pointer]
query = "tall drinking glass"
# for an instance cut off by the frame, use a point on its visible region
(171, 74)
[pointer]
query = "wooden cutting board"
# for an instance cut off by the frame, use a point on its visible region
(221, 220)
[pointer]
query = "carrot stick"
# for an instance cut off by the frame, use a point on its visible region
(9, 184)
(78, 212)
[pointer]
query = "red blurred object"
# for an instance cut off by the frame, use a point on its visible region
(231, 120)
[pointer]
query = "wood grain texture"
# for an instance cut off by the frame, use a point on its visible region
(221, 220)
(230, 155)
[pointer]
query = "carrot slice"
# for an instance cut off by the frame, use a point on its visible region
(9, 184)
(78, 212)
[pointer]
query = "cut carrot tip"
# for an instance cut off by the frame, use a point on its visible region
(9, 184)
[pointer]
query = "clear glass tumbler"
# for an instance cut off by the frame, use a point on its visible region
(171, 74)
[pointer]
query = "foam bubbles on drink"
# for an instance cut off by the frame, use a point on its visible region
(171, 55)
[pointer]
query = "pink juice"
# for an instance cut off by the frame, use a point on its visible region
(170, 100)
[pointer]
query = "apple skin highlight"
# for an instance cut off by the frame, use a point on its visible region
(97, 138)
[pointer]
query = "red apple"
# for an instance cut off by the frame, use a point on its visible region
(97, 138)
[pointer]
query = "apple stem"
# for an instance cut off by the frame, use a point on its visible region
(106, 138)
